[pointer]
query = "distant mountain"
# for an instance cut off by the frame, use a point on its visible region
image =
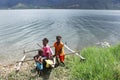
(60, 4)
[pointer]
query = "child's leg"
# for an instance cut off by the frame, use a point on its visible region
(39, 67)
(44, 65)
(62, 58)
(57, 61)
(41, 73)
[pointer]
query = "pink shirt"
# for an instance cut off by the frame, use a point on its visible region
(47, 51)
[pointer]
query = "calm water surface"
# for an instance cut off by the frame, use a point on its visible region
(22, 29)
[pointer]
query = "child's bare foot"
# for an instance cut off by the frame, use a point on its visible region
(63, 64)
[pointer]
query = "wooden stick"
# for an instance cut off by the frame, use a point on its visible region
(28, 60)
(39, 45)
(36, 49)
(73, 51)
(43, 58)
(25, 60)
(31, 51)
(20, 63)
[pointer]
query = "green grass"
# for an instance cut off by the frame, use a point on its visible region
(100, 64)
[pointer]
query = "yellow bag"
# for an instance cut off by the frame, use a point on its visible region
(48, 63)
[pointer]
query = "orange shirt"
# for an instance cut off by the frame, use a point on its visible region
(59, 48)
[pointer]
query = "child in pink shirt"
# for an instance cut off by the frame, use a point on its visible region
(46, 49)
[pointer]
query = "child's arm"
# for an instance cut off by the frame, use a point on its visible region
(40, 59)
(35, 58)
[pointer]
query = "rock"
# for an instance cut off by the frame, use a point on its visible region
(103, 44)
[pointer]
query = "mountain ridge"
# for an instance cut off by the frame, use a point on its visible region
(60, 4)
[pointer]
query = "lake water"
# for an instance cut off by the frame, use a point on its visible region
(22, 29)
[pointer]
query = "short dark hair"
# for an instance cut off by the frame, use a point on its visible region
(45, 39)
(58, 37)
(40, 51)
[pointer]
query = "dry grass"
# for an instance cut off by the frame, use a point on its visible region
(27, 72)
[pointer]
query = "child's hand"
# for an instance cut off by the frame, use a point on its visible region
(53, 55)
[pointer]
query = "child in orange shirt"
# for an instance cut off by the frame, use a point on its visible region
(59, 50)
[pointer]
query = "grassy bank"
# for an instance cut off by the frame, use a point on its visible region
(100, 64)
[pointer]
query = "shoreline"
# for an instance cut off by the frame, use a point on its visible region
(99, 60)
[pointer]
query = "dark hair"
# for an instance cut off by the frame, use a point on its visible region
(57, 37)
(45, 39)
(40, 51)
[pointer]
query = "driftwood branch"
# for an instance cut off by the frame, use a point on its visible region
(74, 52)
(25, 60)
(20, 63)
(31, 51)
